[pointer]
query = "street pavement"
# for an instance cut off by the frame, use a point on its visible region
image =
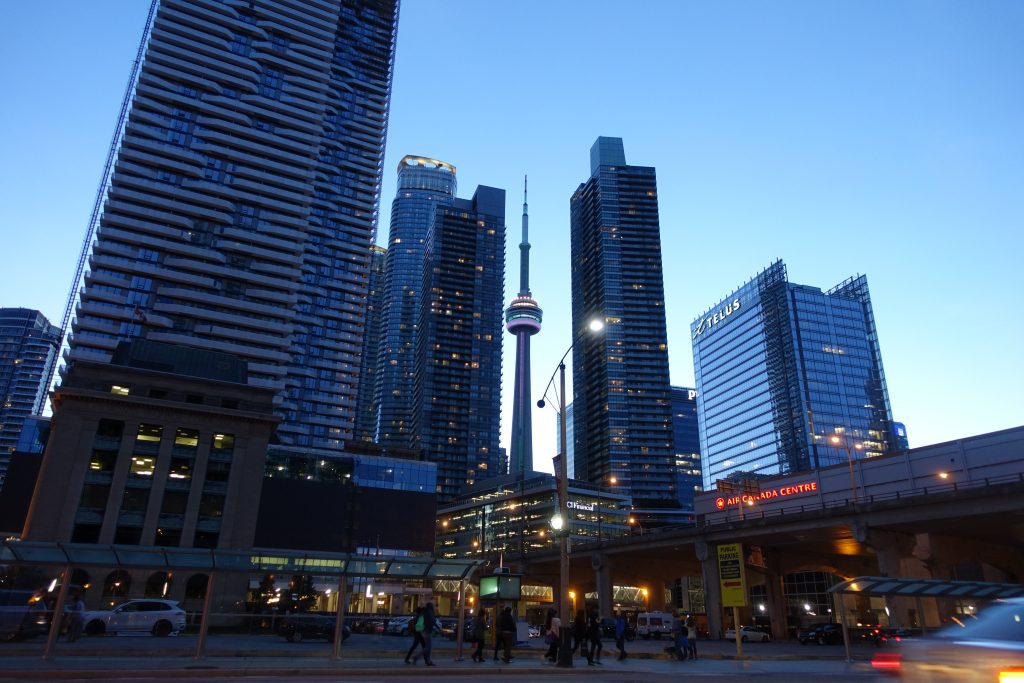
(380, 658)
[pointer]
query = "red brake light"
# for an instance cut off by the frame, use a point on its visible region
(887, 661)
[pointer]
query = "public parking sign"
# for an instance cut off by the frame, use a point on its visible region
(731, 574)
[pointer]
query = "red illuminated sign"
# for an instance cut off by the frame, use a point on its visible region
(768, 494)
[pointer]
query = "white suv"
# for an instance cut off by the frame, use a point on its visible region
(156, 616)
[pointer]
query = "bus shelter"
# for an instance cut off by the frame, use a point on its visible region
(918, 589)
(217, 562)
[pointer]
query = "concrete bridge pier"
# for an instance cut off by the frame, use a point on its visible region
(602, 566)
(773, 581)
(712, 588)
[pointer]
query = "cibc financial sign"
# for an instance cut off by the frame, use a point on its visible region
(716, 318)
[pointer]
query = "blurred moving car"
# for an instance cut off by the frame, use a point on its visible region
(749, 633)
(822, 634)
(151, 615)
(989, 648)
(301, 626)
(23, 614)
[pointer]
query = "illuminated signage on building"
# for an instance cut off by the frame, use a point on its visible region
(767, 494)
(586, 507)
(717, 317)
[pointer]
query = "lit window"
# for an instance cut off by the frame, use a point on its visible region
(120, 391)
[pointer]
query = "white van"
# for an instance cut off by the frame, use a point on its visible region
(654, 624)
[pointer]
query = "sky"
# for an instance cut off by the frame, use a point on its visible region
(883, 138)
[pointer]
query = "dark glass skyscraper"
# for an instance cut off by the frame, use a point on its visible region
(243, 196)
(457, 383)
(789, 378)
(366, 409)
(28, 344)
(622, 408)
(423, 184)
(686, 433)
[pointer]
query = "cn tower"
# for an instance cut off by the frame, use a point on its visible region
(522, 318)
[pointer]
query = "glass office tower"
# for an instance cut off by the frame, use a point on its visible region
(28, 343)
(241, 204)
(457, 384)
(686, 433)
(622, 410)
(423, 184)
(789, 378)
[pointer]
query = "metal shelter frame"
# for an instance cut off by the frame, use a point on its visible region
(69, 556)
(884, 586)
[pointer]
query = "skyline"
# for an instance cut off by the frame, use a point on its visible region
(774, 134)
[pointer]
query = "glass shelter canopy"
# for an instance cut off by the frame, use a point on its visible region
(231, 560)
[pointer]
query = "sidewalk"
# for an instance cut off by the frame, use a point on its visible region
(526, 662)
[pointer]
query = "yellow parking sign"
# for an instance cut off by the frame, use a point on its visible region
(731, 575)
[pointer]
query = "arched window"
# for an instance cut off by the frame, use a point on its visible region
(117, 584)
(158, 585)
(80, 578)
(196, 586)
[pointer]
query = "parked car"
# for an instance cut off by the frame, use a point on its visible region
(822, 634)
(305, 625)
(747, 633)
(399, 626)
(989, 648)
(151, 615)
(608, 629)
(23, 614)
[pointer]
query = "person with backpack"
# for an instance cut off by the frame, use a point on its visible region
(416, 630)
(508, 633)
(679, 635)
(427, 632)
(691, 634)
(579, 632)
(594, 636)
(552, 635)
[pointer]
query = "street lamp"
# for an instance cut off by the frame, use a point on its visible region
(635, 521)
(564, 650)
(837, 440)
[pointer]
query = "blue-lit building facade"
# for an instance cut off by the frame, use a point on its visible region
(28, 345)
(686, 438)
(622, 409)
(423, 184)
(456, 409)
(366, 407)
(789, 379)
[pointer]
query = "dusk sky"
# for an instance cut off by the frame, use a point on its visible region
(883, 138)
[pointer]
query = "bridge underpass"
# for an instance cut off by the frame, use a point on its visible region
(966, 532)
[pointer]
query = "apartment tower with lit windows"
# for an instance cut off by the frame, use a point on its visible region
(242, 198)
(789, 378)
(622, 406)
(423, 184)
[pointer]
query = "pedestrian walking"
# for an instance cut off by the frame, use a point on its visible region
(77, 618)
(579, 632)
(479, 635)
(691, 634)
(498, 638)
(679, 636)
(594, 636)
(552, 635)
(416, 630)
(508, 633)
(620, 635)
(429, 621)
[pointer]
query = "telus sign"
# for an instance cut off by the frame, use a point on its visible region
(716, 318)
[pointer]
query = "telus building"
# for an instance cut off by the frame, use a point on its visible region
(789, 378)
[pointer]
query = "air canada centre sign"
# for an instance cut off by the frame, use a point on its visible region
(767, 494)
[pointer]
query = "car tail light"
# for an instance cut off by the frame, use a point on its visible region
(1011, 676)
(886, 661)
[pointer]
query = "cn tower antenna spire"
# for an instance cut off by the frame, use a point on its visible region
(524, 248)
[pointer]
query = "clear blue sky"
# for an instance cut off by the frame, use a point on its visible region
(875, 137)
